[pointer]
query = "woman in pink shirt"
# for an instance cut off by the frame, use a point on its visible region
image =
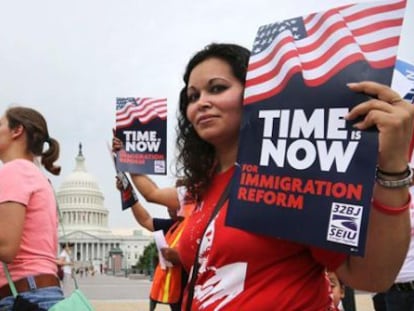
(28, 218)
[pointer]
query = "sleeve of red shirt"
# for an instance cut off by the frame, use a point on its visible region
(330, 259)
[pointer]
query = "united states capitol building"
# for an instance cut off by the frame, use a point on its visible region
(85, 223)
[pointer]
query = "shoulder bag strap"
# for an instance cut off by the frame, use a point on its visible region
(196, 264)
(9, 280)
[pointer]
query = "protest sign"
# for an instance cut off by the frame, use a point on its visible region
(141, 125)
(303, 172)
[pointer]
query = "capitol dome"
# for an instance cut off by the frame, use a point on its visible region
(81, 201)
(85, 224)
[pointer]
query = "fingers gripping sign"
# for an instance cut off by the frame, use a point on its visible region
(393, 118)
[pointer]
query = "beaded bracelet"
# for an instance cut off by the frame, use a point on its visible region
(388, 180)
(391, 210)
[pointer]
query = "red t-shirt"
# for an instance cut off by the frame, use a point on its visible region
(240, 270)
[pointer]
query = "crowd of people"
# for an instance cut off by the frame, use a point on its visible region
(218, 267)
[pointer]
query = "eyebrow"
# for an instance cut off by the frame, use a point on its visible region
(211, 81)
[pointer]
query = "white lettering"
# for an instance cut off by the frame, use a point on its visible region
(304, 127)
(309, 139)
(140, 135)
(326, 157)
(142, 146)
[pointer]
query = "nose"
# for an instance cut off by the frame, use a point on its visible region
(204, 101)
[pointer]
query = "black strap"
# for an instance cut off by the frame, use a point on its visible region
(196, 264)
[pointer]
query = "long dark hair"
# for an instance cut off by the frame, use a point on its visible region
(196, 157)
(36, 134)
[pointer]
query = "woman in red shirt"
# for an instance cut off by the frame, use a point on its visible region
(239, 270)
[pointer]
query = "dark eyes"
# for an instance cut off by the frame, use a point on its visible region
(218, 88)
(192, 97)
(213, 89)
(333, 284)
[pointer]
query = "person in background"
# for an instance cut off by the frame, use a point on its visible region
(66, 261)
(171, 197)
(240, 270)
(338, 290)
(174, 198)
(28, 215)
(167, 284)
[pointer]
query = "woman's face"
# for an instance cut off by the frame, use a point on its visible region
(5, 134)
(215, 102)
(336, 287)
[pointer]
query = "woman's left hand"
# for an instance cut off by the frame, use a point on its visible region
(393, 117)
(171, 254)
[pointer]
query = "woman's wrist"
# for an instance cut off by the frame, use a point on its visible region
(391, 210)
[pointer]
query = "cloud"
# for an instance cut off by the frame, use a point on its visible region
(72, 59)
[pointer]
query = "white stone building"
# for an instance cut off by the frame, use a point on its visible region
(85, 223)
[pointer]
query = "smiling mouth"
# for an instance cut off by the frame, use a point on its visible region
(206, 119)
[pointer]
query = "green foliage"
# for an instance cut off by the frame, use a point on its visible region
(148, 260)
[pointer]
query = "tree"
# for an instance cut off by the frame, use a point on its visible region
(148, 260)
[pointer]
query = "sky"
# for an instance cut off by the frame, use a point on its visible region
(71, 59)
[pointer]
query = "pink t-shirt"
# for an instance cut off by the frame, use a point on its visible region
(22, 181)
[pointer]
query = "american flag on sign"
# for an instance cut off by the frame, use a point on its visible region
(322, 44)
(143, 109)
